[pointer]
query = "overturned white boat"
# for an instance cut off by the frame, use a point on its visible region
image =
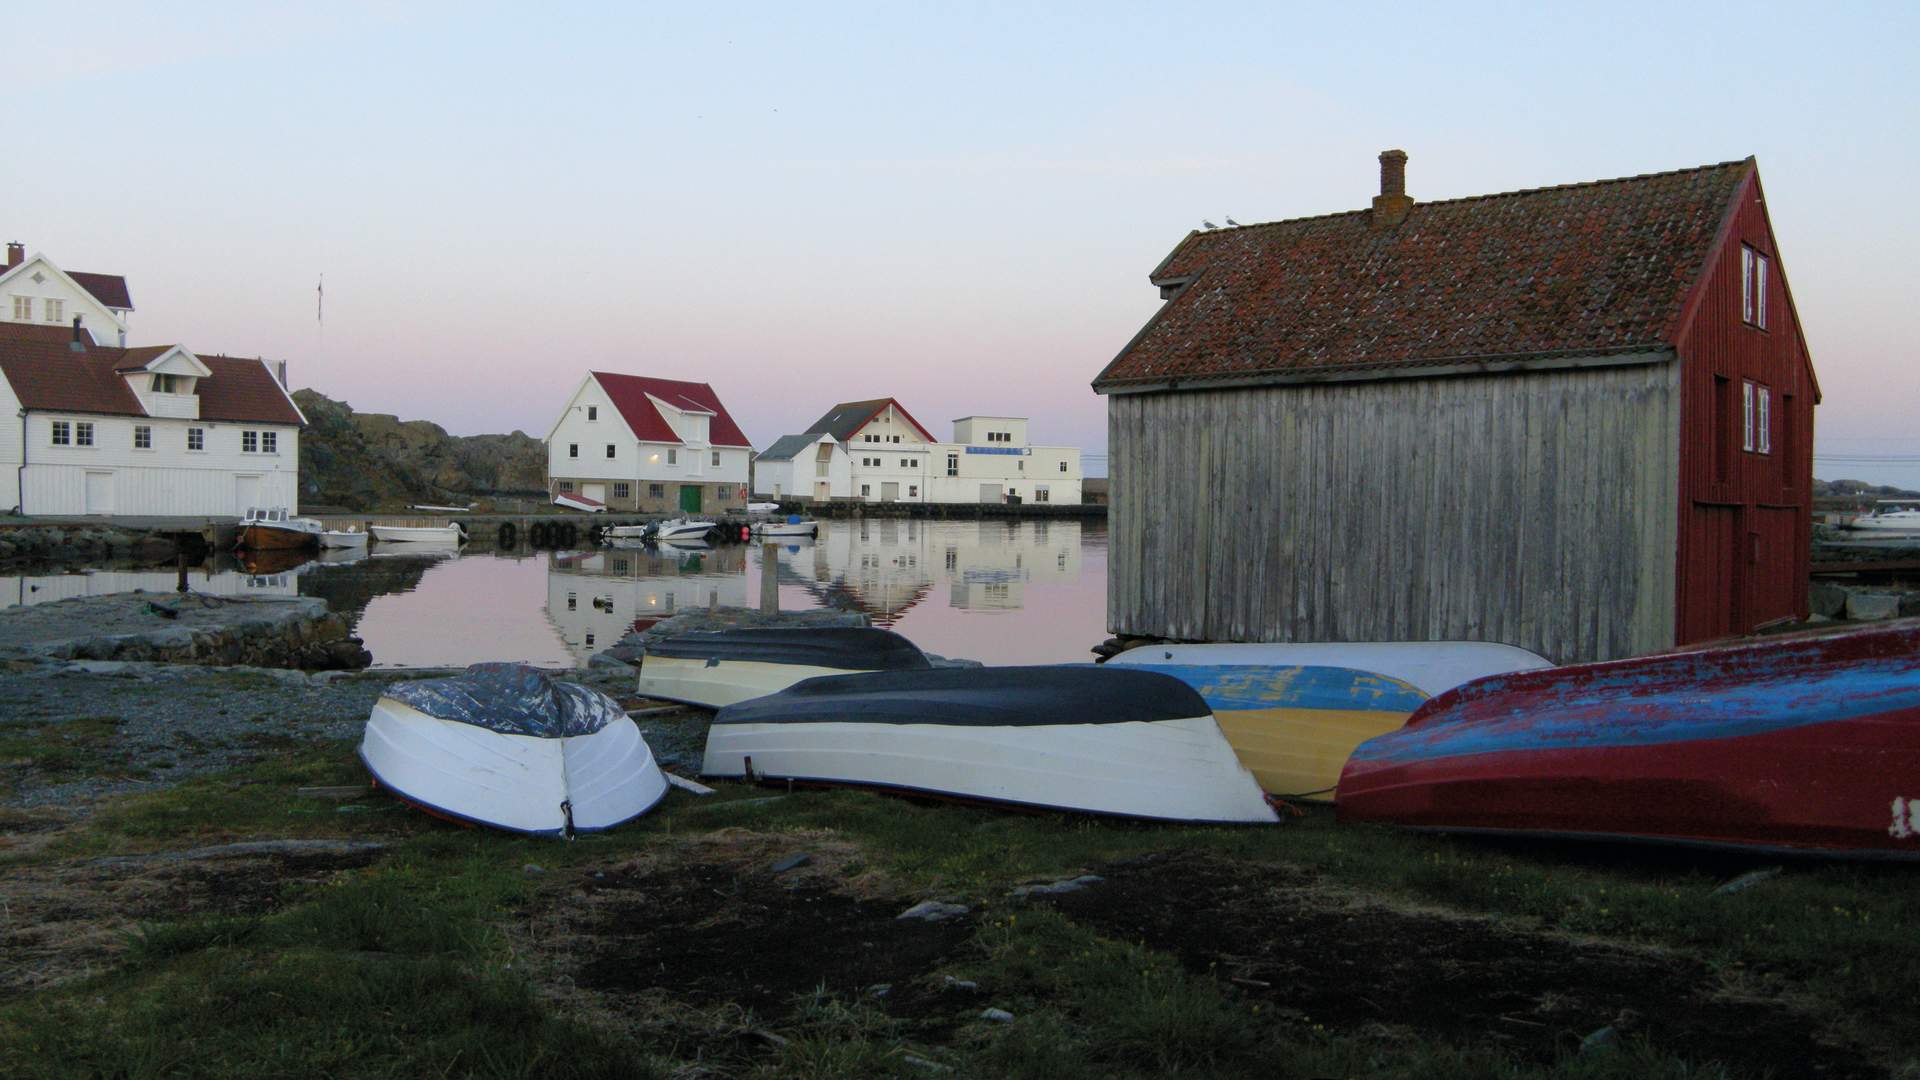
(511, 747)
(729, 666)
(1128, 743)
(1432, 667)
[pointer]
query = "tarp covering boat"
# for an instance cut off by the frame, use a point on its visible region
(1130, 743)
(1295, 726)
(1809, 745)
(728, 666)
(508, 745)
(1435, 667)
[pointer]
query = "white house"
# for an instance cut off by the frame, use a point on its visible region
(35, 291)
(812, 468)
(90, 429)
(891, 457)
(638, 443)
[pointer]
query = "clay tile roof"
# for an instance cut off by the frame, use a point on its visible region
(242, 388)
(844, 419)
(47, 375)
(109, 289)
(1578, 269)
(629, 394)
(49, 332)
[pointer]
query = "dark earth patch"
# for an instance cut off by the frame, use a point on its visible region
(712, 934)
(1354, 966)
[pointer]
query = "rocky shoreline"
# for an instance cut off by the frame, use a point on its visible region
(190, 628)
(72, 545)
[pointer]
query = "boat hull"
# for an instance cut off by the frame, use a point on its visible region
(270, 538)
(1808, 746)
(333, 539)
(518, 783)
(1295, 727)
(1142, 746)
(411, 534)
(1434, 667)
(806, 528)
(713, 686)
(727, 667)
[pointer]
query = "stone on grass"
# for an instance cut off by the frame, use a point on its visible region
(1871, 607)
(533, 868)
(924, 1065)
(934, 911)
(998, 1016)
(1057, 888)
(952, 983)
(792, 862)
(1749, 879)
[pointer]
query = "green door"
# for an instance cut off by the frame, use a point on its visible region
(690, 498)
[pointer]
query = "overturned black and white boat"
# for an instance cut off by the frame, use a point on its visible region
(1129, 743)
(728, 666)
(509, 746)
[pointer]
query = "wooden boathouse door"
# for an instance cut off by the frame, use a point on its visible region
(1716, 574)
(690, 498)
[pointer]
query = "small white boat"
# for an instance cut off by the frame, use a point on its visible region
(1128, 743)
(729, 666)
(795, 525)
(579, 502)
(509, 746)
(626, 532)
(343, 538)
(432, 509)
(1890, 516)
(272, 528)
(420, 534)
(763, 508)
(684, 529)
(1432, 667)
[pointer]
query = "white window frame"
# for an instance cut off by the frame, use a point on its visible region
(269, 442)
(22, 307)
(61, 433)
(1765, 442)
(611, 451)
(1746, 405)
(1040, 493)
(1746, 283)
(143, 436)
(83, 433)
(673, 455)
(1063, 466)
(197, 435)
(566, 485)
(573, 450)
(656, 491)
(593, 414)
(249, 442)
(622, 489)
(716, 459)
(56, 309)
(1760, 290)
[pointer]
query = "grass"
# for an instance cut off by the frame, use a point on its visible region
(66, 749)
(405, 968)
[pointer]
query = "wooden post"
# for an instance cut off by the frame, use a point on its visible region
(713, 600)
(181, 585)
(770, 578)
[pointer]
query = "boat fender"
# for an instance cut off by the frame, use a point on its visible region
(568, 534)
(508, 534)
(743, 533)
(537, 535)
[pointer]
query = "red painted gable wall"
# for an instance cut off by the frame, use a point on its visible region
(1745, 517)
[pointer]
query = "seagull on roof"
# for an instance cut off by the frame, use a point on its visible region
(1205, 224)
(1232, 222)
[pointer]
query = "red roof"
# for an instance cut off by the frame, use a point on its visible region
(630, 394)
(109, 289)
(47, 375)
(1579, 269)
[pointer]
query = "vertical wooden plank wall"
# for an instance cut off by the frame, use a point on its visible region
(1535, 509)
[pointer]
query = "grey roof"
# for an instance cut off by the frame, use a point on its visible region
(848, 417)
(786, 446)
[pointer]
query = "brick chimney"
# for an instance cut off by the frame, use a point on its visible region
(1390, 207)
(16, 253)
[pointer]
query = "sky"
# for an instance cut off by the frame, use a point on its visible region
(954, 205)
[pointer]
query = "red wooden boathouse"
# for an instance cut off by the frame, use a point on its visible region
(1577, 419)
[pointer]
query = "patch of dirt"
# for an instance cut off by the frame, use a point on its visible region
(1333, 959)
(59, 922)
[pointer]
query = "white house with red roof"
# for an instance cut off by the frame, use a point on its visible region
(35, 291)
(157, 430)
(638, 443)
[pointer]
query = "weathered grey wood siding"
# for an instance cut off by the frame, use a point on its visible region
(1535, 509)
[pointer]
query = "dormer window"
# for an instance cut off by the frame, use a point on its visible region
(169, 384)
(1753, 287)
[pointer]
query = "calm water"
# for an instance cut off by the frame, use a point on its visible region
(1004, 592)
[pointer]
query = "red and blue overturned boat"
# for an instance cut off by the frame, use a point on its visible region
(1808, 745)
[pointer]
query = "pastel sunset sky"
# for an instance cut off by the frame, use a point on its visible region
(955, 205)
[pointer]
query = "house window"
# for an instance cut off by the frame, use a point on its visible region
(1021, 465)
(913, 491)
(169, 384)
(622, 489)
(722, 492)
(143, 436)
(906, 463)
(609, 449)
(56, 311)
(566, 485)
(196, 438)
(1063, 466)
(896, 438)
(82, 433)
(1763, 441)
(1040, 493)
(249, 442)
(573, 601)
(62, 433)
(673, 456)
(656, 491)
(573, 450)
(1753, 287)
(23, 307)
(866, 490)
(953, 464)
(716, 458)
(269, 442)
(593, 412)
(1746, 406)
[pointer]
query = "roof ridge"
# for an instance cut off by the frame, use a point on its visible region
(1418, 203)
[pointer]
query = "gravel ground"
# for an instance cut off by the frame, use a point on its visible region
(149, 726)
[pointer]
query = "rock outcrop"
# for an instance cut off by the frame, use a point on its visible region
(371, 461)
(290, 632)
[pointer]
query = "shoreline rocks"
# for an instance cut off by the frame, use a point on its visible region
(58, 545)
(193, 629)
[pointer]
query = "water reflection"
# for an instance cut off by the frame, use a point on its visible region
(595, 598)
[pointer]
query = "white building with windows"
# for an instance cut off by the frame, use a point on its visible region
(637, 443)
(36, 292)
(157, 430)
(813, 467)
(891, 457)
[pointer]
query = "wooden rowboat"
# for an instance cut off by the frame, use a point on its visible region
(1808, 745)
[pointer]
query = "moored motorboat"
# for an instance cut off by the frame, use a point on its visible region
(511, 747)
(627, 532)
(729, 666)
(1802, 745)
(343, 538)
(794, 525)
(453, 533)
(1432, 666)
(1294, 727)
(683, 529)
(1126, 743)
(271, 528)
(1889, 517)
